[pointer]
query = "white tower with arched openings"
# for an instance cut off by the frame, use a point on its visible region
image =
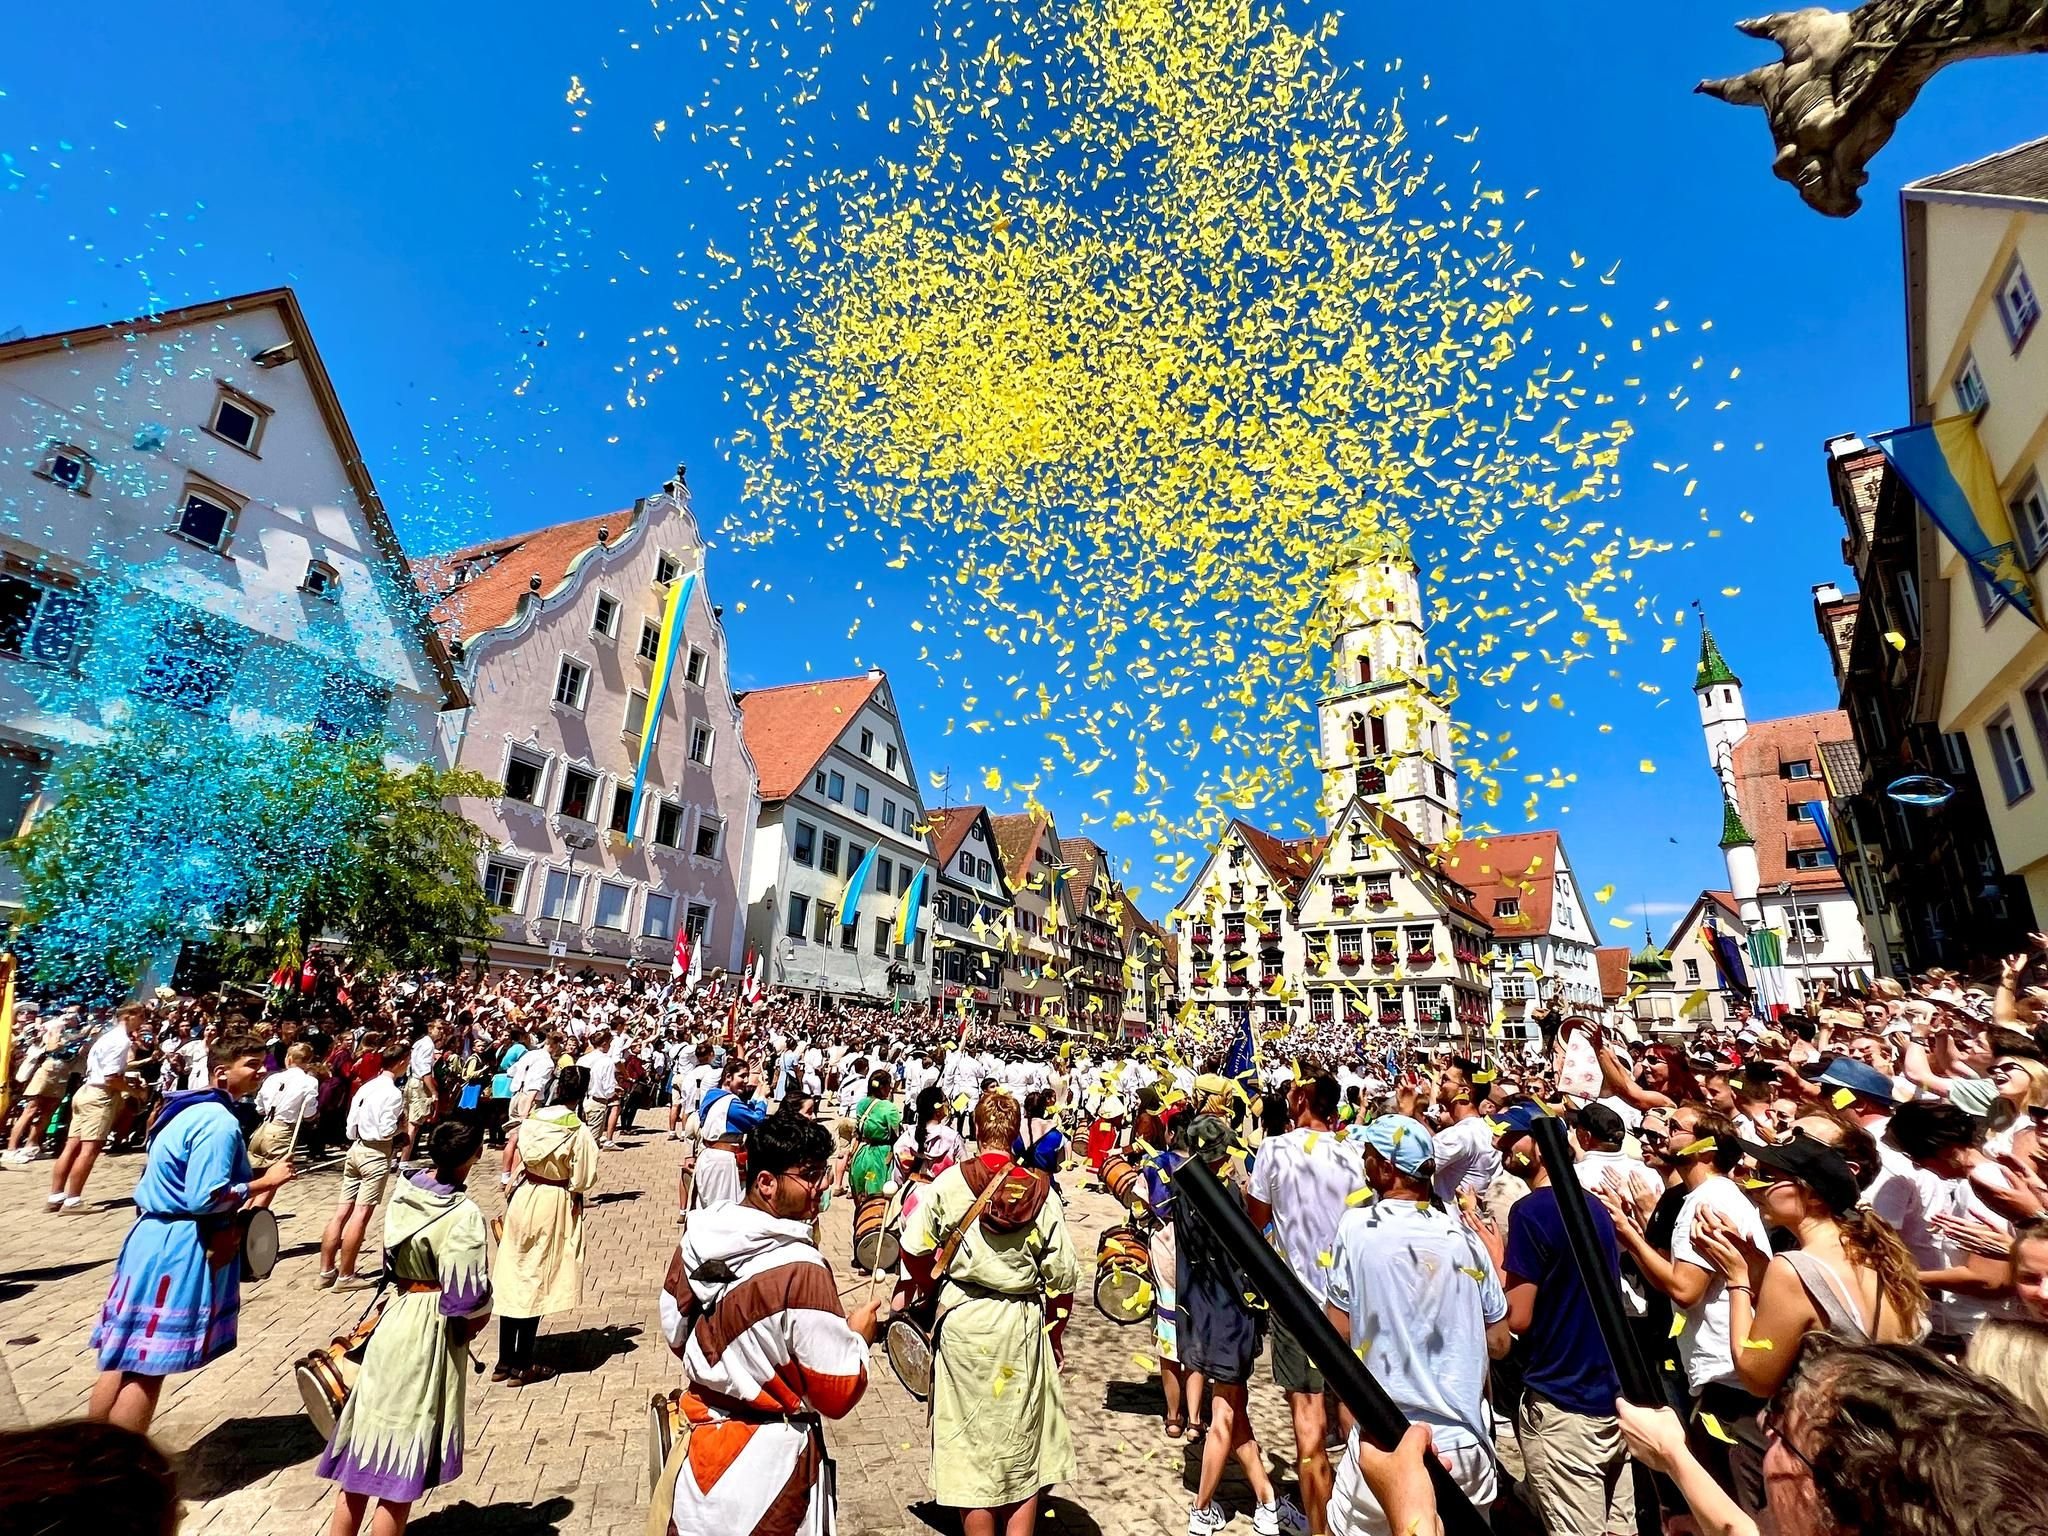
(1723, 717)
(1383, 730)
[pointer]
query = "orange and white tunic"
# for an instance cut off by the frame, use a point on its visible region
(750, 1309)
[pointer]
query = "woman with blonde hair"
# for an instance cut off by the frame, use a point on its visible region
(2013, 1352)
(1850, 1275)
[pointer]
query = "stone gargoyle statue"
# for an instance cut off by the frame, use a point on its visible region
(1847, 77)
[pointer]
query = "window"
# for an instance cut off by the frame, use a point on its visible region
(2037, 710)
(1991, 598)
(193, 666)
(1365, 669)
(351, 707)
(572, 682)
(885, 873)
(2017, 305)
(321, 579)
(695, 920)
(799, 910)
(622, 809)
(826, 921)
(1971, 395)
(1909, 602)
(700, 743)
(579, 791)
(604, 616)
(835, 786)
(1795, 811)
(818, 782)
(239, 420)
(668, 824)
(1799, 770)
(1692, 972)
(2030, 519)
(983, 871)
(966, 862)
(882, 937)
(658, 917)
(1803, 926)
(1383, 943)
(710, 837)
(1321, 1008)
(1514, 987)
(889, 758)
(205, 520)
(68, 467)
(867, 743)
(1442, 783)
(917, 952)
(693, 669)
(902, 878)
(1507, 906)
(1350, 943)
(612, 901)
(522, 777)
(1811, 858)
(39, 623)
(666, 568)
(2011, 760)
(803, 844)
(501, 883)
(636, 715)
(849, 936)
(854, 854)
(562, 896)
(828, 854)
(650, 640)
(860, 799)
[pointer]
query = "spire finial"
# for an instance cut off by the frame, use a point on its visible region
(1713, 668)
(1733, 833)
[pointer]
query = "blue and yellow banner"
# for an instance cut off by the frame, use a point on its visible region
(855, 884)
(1946, 468)
(672, 616)
(907, 911)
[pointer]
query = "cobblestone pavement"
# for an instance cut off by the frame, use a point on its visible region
(569, 1455)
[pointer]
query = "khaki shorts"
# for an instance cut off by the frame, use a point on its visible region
(267, 1143)
(48, 1081)
(419, 1101)
(844, 1130)
(595, 1112)
(92, 1113)
(365, 1172)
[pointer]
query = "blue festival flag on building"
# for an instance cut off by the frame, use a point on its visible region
(856, 883)
(673, 615)
(1243, 1060)
(1817, 813)
(1944, 464)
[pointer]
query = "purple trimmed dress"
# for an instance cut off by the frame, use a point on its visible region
(400, 1432)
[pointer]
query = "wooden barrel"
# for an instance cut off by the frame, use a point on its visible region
(1123, 1179)
(874, 1245)
(1123, 1276)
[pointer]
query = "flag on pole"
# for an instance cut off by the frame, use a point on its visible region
(673, 614)
(1243, 1060)
(1944, 464)
(6, 1035)
(757, 978)
(856, 883)
(1773, 984)
(696, 970)
(679, 962)
(907, 911)
(1817, 813)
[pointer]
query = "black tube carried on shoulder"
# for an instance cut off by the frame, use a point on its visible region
(1379, 1419)
(1638, 1383)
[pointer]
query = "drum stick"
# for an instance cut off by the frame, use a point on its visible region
(1638, 1383)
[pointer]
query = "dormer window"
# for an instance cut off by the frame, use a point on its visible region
(666, 568)
(322, 580)
(207, 515)
(69, 468)
(238, 419)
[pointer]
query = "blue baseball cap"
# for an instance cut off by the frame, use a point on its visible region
(1514, 1121)
(1858, 1077)
(1402, 1141)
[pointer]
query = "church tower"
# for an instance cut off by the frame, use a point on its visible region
(1383, 732)
(1725, 722)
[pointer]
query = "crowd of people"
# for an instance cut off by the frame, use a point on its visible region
(1828, 1234)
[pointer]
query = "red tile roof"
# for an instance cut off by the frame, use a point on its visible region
(1763, 794)
(1287, 860)
(1613, 963)
(950, 826)
(1518, 866)
(478, 587)
(790, 728)
(1016, 836)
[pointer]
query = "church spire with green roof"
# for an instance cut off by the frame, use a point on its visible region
(1733, 833)
(1714, 668)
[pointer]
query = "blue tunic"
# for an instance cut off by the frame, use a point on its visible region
(170, 1307)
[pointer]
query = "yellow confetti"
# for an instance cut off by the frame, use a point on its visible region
(1844, 1098)
(1713, 1427)
(1759, 1344)
(1697, 1148)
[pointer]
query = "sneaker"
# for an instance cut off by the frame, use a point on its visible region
(1266, 1519)
(1206, 1522)
(328, 1277)
(355, 1282)
(54, 1203)
(74, 1205)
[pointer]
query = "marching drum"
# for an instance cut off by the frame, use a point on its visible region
(259, 1242)
(1123, 1179)
(1123, 1276)
(327, 1376)
(874, 1244)
(665, 1424)
(909, 1348)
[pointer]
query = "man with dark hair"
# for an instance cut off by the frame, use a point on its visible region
(749, 1307)
(1301, 1184)
(1945, 1144)
(729, 1113)
(1466, 1162)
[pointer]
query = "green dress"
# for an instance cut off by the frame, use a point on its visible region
(876, 1123)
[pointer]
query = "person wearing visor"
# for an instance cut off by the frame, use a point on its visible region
(1850, 1274)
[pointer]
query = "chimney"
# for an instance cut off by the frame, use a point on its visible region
(1826, 592)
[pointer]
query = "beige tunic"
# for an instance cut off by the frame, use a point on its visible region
(999, 1420)
(540, 1257)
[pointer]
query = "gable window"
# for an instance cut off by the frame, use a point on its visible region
(2018, 306)
(666, 568)
(321, 579)
(700, 743)
(572, 682)
(1507, 906)
(1802, 769)
(1811, 858)
(612, 902)
(1971, 395)
(658, 916)
(889, 758)
(1365, 669)
(803, 845)
(828, 854)
(835, 786)
(860, 799)
(68, 467)
(2030, 519)
(636, 715)
(604, 616)
(650, 640)
(1692, 972)
(867, 743)
(1795, 811)
(501, 883)
(1991, 597)
(2007, 753)
(693, 669)
(668, 824)
(238, 420)
(207, 518)
(562, 896)
(799, 909)
(579, 789)
(966, 862)
(710, 838)
(888, 812)
(522, 777)
(622, 809)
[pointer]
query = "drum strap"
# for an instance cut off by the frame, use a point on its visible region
(950, 1249)
(661, 1506)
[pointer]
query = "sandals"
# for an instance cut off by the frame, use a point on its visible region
(1176, 1426)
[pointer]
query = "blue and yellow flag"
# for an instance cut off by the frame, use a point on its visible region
(907, 911)
(672, 616)
(855, 884)
(1946, 468)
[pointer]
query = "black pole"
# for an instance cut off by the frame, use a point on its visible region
(1379, 1419)
(1603, 1288)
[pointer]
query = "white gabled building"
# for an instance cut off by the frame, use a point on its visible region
(836, 780)
(1544, 943)
(971, 917)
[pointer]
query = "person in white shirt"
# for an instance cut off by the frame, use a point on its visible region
(198, 1066)
(94, 1108)
(376, 1115)
(601, 1102)
(1302, 1182)
(422, 1093)
(531, 1079)
(287, 1101)
(1467, 1161)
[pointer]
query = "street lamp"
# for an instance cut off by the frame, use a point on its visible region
(575, 842)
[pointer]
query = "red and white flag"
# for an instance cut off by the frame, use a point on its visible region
(757, 973)
(680, 962)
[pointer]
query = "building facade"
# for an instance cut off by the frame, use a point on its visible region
(557, 632)
(1094, 951)
(1543, 938)
(837, 781)
(1697, 978)
(971, 920)
(186, 521)
(1041, 911)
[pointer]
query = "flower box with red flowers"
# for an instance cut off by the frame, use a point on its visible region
(1235, 981)
(1422, 957)
(1379, 898)
(1343, 899)
(1349, 962)
(1269, 935)
(1383, 962)
(1391, 1016)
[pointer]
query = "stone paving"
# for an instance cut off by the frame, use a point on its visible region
(569, 1455)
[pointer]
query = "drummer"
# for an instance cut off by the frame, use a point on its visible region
(177, 1292)
(289, 1101)
(729, 1111)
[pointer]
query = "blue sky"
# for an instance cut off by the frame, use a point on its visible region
(411, 171)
